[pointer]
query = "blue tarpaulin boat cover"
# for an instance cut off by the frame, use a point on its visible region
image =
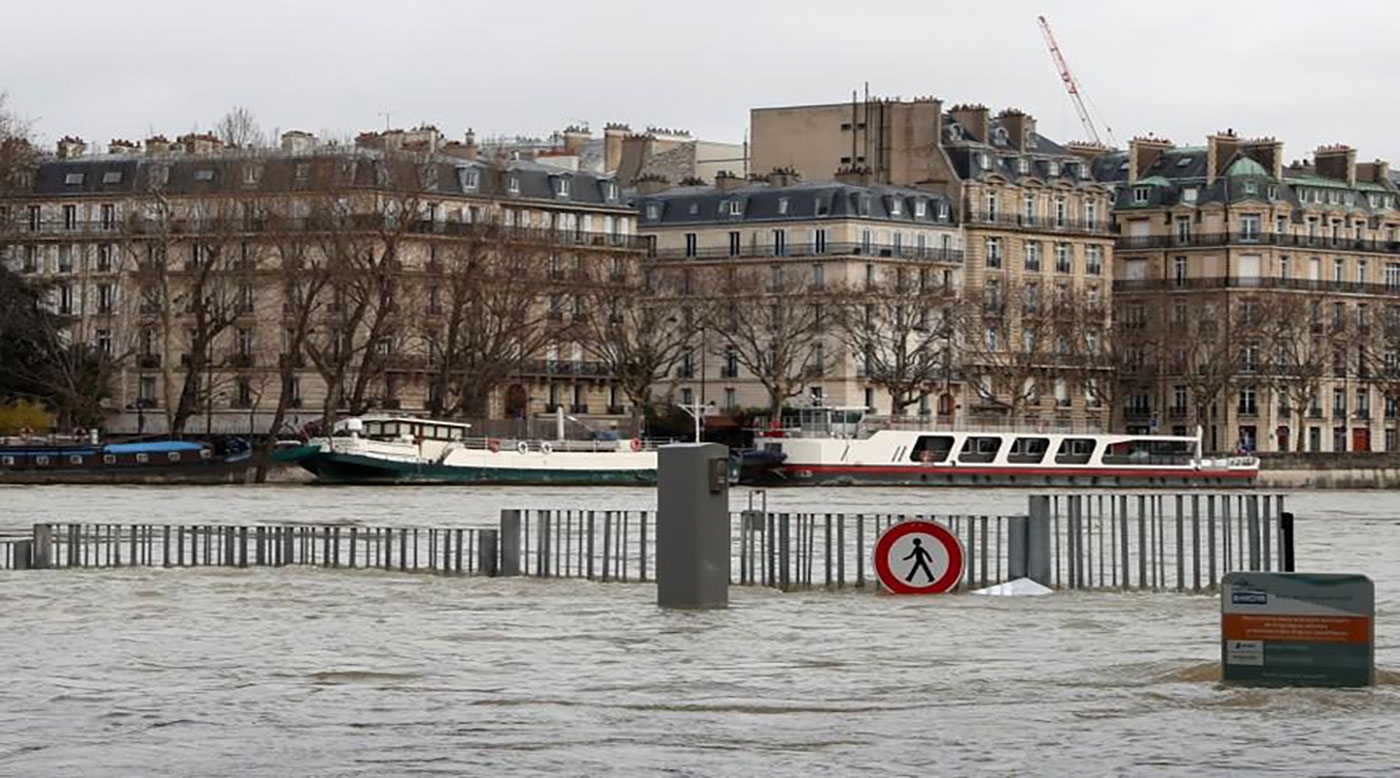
(151, 447)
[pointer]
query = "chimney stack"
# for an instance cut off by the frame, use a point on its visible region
(71, 146)
(158, 144)
(122, 146)
(975, 121)
(725, 181)
(1142, 152)
(613, 135)
(784, 176)
(298, 142)
(1336, 162)
(652, 183)
(1020, 129)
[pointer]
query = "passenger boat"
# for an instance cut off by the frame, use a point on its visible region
(836, 446)
(79, 459)
(410, 450)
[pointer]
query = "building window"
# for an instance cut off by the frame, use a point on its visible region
(736, 208)
(1033, 256)
(1339, 270)
(1179, 271)
(1140, 195)
(1249, 227)
(1059, 212)
(104, 342)
(994, 252)
(1028, 209)
(692, 244)
(1062, 258)
(818, 276)
(105, 298)
(733, 244)
(779, 244)
(1093, 260)
(1283, 268)
(991, 206)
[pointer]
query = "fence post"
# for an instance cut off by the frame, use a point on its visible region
(509, 539)
(487, 559)
(1037, 548)
(42, 551)
(1285, 534)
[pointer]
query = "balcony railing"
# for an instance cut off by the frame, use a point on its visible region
(136, 226)
(826, 249)
(1208, 239)
(1041, 223)
(1233, 282)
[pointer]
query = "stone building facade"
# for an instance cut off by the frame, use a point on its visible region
(226, 288)
(1257, 299)
(1037, 227)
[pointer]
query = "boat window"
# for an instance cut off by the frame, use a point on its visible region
(1150, 452)
(979, 449)
(931, 448)
(1075, 451)
(373, 429)
(1028, 451)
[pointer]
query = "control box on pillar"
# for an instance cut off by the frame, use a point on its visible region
(692, 526)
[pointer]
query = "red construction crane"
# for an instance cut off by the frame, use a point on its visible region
(1072, 87)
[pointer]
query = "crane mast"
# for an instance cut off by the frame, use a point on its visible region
(1071, 85)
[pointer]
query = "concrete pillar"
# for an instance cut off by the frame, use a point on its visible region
(1017, 528)
(23, 551)
(1038, 567)
(510, 542)
(486, 552)
(42, 553)
(692, 526)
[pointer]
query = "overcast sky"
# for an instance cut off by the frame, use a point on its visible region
(1307, 72)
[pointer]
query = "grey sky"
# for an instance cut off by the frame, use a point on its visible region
(1304, 71)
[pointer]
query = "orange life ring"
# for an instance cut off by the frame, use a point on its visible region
(493, 445)
(636, 444)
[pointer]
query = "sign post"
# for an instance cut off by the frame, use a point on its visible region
(918, 557)
(1297, 629)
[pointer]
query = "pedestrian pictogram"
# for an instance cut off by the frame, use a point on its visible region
(918, 557)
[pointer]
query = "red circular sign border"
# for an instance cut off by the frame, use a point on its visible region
(949, 541)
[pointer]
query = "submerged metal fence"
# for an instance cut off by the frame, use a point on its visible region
(1180, 542)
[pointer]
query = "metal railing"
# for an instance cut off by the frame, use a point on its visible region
(1041, 223)
(813, 250)
(1209, 239)
(1255, 282)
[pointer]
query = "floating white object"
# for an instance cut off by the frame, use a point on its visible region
(1021, 587)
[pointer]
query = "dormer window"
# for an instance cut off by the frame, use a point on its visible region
(1251, 188)
(73, 179)
(1272, 192)
(1123, 168)
(999, 136)
(205, 174)
(942, 211)
(863, 205)
(1140, 195)
(736, 208)
(823, 208)
(561, 186)
(1052, 168)
(1023, 165)
(112, 177)
(609, 190)
(920, 208)
(782, 206)
(894, 206)
(984, 161)
(653, 211)
(513, 184)
(470, 178)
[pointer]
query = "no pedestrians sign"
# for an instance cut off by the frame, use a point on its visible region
(918, 557)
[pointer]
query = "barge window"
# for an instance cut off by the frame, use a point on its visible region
(1028, 451)
(979, 449)
(1150, 452)
(931, 448)
(1075, 451)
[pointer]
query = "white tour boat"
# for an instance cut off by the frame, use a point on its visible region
(408, 450)
(835, 446)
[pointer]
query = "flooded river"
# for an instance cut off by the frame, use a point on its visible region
(318, 672)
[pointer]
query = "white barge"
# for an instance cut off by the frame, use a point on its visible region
(843, 450)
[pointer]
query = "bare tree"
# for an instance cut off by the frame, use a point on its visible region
(1298, 349)
(239, 129)
(1018, 342)
(902, 335)
(634, 329)
(771, 321)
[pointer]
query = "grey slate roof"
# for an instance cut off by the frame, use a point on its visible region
(223, 172)
(805, 200)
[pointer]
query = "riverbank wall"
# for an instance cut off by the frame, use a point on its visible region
(1355, 470)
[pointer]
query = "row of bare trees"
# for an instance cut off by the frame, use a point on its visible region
(1288, 347)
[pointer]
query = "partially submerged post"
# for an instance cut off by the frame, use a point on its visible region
(692, 526)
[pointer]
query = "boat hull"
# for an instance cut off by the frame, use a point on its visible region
(213, 472)
(344, 468)
(964, 476)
